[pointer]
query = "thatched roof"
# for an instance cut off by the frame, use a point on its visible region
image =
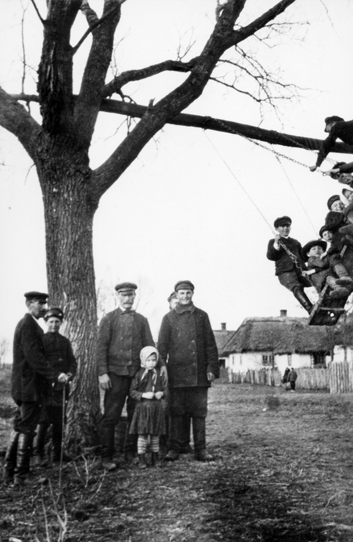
(280, 335)
(222, 337)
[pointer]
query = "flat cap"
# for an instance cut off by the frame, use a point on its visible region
(282, 220)
(126, 287)
(332, 199)
(346, 192)
(311, 244)
(334, 118)
(36, 295)
(172, 296)
(184, 285)
(56, 312)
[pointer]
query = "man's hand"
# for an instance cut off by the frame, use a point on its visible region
(210, 377)
(329, 171)
(63, 378)
(313, 168)
(164, 374)
(158, 395)
(104, 382)
(148, 395)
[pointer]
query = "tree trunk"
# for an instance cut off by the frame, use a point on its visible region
(69, 211)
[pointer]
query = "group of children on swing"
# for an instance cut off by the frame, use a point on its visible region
(319, 262)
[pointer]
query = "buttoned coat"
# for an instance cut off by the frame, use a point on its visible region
(283, 263)
(31, 370)
(119, 346)
(186, 339)
(58, 351)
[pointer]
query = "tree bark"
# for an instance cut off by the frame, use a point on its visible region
(69, 211)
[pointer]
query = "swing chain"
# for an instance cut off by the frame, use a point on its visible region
(294, 259)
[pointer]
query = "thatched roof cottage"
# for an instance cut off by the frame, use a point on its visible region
(278, 342)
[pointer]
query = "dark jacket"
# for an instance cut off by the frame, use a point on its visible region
(31, 370)
(322, 269)
(59, 354)
(138, 386)
(340, 130)
(292, 376)
(283, 263)
(186, 339)
(121, 337)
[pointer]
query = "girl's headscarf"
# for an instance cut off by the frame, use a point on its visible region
(146, 352)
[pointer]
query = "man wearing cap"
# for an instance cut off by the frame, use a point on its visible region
(121, 336)
(30, 375)
(288, 268)
(186, 339)
(337, 128)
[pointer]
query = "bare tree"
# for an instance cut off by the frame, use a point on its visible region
(59, 148)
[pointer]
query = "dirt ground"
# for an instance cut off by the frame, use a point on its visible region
(283, 471)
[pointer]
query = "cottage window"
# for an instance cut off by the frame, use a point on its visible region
(268, 360)
(318, 360)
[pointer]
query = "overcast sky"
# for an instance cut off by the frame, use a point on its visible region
(194, 205)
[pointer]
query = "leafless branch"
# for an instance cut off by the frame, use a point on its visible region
(93, 26)
(37, 11)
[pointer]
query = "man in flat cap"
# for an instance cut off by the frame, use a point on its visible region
(186, 339)
(289, 268)
(30, 374)
(337, 128)
(121, 336)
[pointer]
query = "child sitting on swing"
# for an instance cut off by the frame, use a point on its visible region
(320, 271)
(286, 252)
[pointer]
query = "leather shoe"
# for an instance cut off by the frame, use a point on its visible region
(186, 449)
(172, 455)
(203, 456)
(109, 465)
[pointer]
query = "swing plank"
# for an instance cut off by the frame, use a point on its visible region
(327, 311)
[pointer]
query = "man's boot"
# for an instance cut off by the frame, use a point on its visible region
(24, 452)
(107, 441)
(337, 291)
(175, 429)
(10, 458)
(303, 299)
(199, 430)
(343, 278)
(39, 445)
(185, 447)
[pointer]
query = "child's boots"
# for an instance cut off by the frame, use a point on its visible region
(142, 461)
(343, 278)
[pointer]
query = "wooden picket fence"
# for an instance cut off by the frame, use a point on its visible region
(309, 379)
(341, 377)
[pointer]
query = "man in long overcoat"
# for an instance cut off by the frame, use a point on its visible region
(186, 339)
(30, 375)
(121, 336)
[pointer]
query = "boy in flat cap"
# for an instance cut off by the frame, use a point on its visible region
(289, 268)
(58, 351)
(122, 334)
(31, 373)
(334, 203)
(337, 128)
(319, 269)
(187, 341)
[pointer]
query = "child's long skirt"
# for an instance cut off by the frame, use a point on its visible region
(148, 418)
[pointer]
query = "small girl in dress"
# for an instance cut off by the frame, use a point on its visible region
(147, 389)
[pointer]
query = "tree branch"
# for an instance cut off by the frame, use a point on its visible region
(15, 119)
(136, 75)
(260, 22)
(37, 11)
(93, 81)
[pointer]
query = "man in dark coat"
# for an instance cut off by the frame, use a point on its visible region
(30, 374)
(288, 270)
(337, 128)
(121, 336)
(186, 339)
